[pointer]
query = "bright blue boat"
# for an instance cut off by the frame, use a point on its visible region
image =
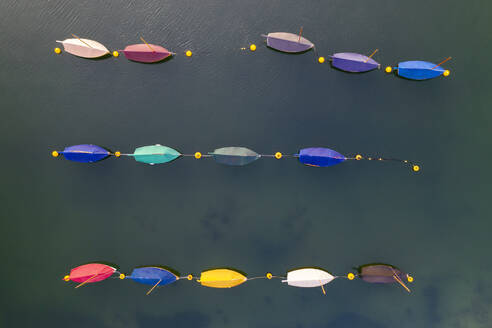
(419, 70)
(155, 276)
(320, 157)
(85, 153)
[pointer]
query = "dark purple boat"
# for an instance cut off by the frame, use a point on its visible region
(380, 273)
(146, 53)
(353, 62)
(288, 42)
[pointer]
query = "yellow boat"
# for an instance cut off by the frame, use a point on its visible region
(221, 278)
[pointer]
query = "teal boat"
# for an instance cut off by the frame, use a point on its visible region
(156, 154)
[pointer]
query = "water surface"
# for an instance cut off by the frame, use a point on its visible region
(271, 215)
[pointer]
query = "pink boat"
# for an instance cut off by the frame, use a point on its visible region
(91, 272)
(146, 53)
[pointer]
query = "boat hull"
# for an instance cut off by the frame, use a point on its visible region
(353, 62)
(221, 278)
(288, 42)
(380, 273)
(85, 153)
(308, 278)
(84, 48)
(156, 154)
(153, 276)
(235, 156)
(419, 70)
(143, 54)
(93, 271)
(320, 157)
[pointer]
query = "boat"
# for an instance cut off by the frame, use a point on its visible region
(155, 276)
(156, 154)
(236, 156)
(146, 53)
(84, 48)
(320, 157)
(221, 278)
(91, 272)
(353, 62)
(419, 70)
(379, 273)
(288, 42)
(308, 277)
(85, 153)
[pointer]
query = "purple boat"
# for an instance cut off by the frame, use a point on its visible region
(146, 53)
(288, 42)
(353, 62)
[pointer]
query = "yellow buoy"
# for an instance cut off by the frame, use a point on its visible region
(278, 155)
(66, 278)
(117, 154)
(189, 277)
(122, 276)
(116, 53)
(358, 157)
(350, 276)
(409, 278)
(388, 69)
(188, 53)
(269, 275)
(321, 60)
(416, 168)
(221, 278)
(252, 47)
(446, 73)
(54, 153)
(57, 51)
(198, 155)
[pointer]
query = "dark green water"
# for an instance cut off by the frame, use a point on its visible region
(268, 216)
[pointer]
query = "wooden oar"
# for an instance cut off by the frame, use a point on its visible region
(148, 45)
(82, 41)
(395, 276)
(371, 55)
(150, 290)
(323, 289)
(82, 284)
(445, 60)
(300, 33)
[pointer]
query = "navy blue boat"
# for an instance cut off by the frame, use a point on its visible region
(85, 153)
(155, 276)
(320, 157)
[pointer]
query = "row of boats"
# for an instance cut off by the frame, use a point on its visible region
(158, 276)
(281, 41)
(233, 156)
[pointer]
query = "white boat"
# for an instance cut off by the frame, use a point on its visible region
(308, 277)
(84, 48)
